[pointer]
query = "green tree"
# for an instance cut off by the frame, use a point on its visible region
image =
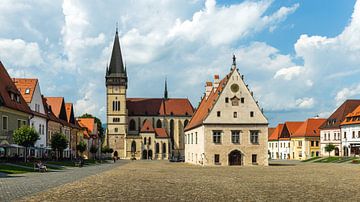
(59, 143)
(105, 149)
(25, 136)
(81, 147)
(329, 148)
(93, 150)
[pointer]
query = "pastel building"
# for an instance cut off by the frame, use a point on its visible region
(350, 130)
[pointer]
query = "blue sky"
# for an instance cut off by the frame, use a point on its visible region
(299, 57)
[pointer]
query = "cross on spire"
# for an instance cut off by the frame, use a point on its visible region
(234, 60)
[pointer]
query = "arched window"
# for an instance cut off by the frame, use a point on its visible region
(186, 122)
(132, 125)
(164, 148)
(116, 105)
(157, 148)
(149, 141)
(158, 124)
(172, 132)
(133, 147)
(144, 140)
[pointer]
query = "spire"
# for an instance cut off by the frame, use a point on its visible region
(165, 91)
(234, 60)
(116, 62)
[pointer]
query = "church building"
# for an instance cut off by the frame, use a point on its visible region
(228, 127)
(142, 128)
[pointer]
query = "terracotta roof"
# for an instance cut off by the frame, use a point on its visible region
(50, 114)
(26, 87)
(159, 107)
(353, 117)
(147, 127)
(270, 131)
(289, 129)
(88, 123)
(70, 113)
(161, 133)
(334, 121)
(206, 105)
(310, 128)
(276, 133)
(7, 86)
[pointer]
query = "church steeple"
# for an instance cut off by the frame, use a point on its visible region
(116, 73)
(166, 91)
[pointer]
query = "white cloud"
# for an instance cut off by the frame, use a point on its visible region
(346, 93)
(20, 53)
(288, 73)
(305, 103)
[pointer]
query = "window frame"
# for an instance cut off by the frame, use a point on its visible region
(233, 136)
(216, 136)
(7, 123)
(256, 136)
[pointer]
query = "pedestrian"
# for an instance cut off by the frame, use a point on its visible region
(114, 158)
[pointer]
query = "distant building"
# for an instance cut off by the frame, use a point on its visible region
(330, 132)
(91, 135)
(228, 127)
(273, 142)
(30, 90)
(306, 140)
(350, 130)
(128, 130)
(14, 112)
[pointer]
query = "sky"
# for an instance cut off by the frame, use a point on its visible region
(300, 58)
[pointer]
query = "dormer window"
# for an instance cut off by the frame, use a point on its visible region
(27, 91)
(18, 98)
(12, 96)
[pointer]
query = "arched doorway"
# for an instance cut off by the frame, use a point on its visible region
(337, 151)
(235, 158)
(150, 154)
(144, 154)
(133, 147)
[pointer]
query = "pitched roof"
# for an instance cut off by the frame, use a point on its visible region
(310, 128)
(88, 123)
(270, 131)
(70, 113)
(206, 105)
(290, 127)
(161, 133)
(276, 133)
(353, 117)
(334, 121)
(57, 105)
(147, 127)
(26, 87)
(159, 107)
(116, 61)
(7, 87)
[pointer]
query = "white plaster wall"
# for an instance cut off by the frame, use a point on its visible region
(195, 153)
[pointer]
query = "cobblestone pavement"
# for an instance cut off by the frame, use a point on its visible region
(164, 181)
(15, 186)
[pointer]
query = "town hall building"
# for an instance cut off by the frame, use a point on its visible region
(142, 128)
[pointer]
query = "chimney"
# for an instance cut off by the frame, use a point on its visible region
(208, 89)
(216, 81)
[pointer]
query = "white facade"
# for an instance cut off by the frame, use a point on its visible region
(350, 139)
(331, 136)
(38, 122)
(273, 149)
(195, 146)
(284, 149)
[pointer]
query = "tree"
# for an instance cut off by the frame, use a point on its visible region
(93, 150)
(98, 124)
(81, 147)
(59, 143)
(25, 136)
(329, 148)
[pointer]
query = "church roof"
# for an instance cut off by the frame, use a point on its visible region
(116, 63)
(339, 115)
(159, 107)
(147, 127)
(206, 105)
(7, 87)
(26, 87)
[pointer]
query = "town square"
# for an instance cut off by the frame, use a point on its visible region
(207, 100)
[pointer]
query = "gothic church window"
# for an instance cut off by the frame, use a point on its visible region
(132, 125)
(158, 124)
(157, 148)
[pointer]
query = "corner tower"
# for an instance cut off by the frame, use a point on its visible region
(116, 113)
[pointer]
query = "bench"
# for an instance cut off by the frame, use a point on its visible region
(40, 168)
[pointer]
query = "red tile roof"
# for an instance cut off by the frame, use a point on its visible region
(310, 128)
(206, 105)
(147, 127)
(276, 133)
(26, 87)
(70, 113)
(270, 131)
(334, 121)
(159, 107)
(161, 133)
(88, 123)
(56, 104)
(289, 129)
(7, 86)
(352, 118)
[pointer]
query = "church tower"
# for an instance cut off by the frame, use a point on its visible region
(116, 111)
